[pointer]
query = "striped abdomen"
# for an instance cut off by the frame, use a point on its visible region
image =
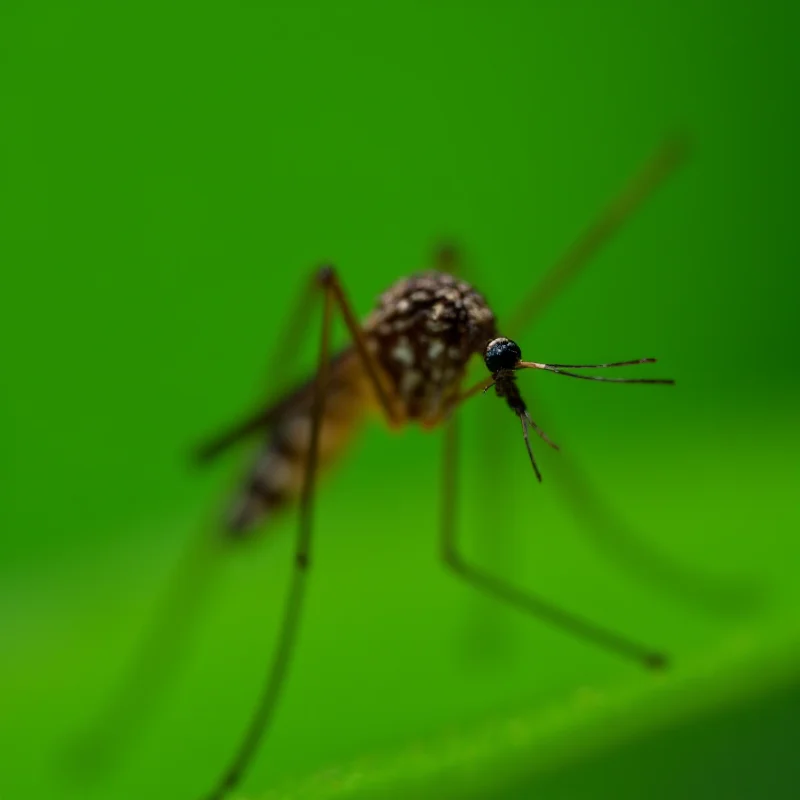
(422, 334)
(276, 478)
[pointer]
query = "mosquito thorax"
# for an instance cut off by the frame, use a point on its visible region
(501, 354)
(424, 332)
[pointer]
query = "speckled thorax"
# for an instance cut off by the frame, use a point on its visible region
(423, 332)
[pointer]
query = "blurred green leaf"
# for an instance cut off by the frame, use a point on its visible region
(171, 173)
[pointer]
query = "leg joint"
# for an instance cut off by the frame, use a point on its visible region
(451, 558)
(326, 275)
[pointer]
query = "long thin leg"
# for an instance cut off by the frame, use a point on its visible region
(158, 657)
(264, 418)
(447, 258)
(613, 536)
(330, 279)
(502, 590)
(153, 666)
(669, 156)
(333, 293)
(292, 332)
(617, 540)
(294, 600)
(484, 637)
(258, 421)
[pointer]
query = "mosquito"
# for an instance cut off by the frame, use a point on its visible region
(408, 361)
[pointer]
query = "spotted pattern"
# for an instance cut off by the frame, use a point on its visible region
(423, 331)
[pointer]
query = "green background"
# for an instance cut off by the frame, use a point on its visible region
(169, 175)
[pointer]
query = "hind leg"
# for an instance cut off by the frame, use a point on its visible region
(502, 590)
(334, 297)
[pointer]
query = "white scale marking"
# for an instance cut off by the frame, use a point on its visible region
(402, 352)
(435, 348)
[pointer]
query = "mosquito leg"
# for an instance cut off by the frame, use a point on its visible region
(480, 386)
(484, 638)
(663, 162)
(264, 418)
(617, 540)
(159, 655)
(153, 666)
(333, 294)
(447, 258)
(330, 280)
(502, 590)
(296, 325)
(449, 510)
(294, 601)
(259, 421)
(491, 638)
(613, 536)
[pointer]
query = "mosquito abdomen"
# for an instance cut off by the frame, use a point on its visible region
(276, 477)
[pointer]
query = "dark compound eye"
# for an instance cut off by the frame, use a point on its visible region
(501, 354)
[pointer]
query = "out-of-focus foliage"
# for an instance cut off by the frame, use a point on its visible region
(170, 174)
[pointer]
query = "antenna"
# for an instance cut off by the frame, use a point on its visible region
(503, 358)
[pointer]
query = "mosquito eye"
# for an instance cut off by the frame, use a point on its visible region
(501, 354)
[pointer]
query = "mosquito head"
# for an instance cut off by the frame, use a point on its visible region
(501, 354)
(503, 358)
